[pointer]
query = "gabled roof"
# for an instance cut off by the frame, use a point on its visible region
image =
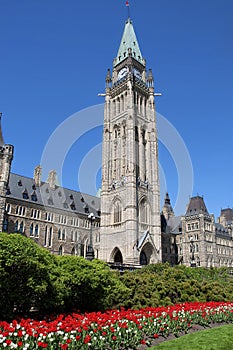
(129, 41)
(196, 206)
(23, 188)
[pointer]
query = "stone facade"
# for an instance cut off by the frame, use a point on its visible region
(55, 217)
(130, 212)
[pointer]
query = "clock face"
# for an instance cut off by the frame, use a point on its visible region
(122, 72)
(137, 74)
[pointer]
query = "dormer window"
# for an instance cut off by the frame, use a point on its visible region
(33, 186)
(71, 196)
(72, 205)
(19, 183)
(25, 194)
(86, 208)
(34, 197)
(50, 201)
(8, 192)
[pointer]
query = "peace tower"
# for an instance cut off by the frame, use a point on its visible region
(130, 198)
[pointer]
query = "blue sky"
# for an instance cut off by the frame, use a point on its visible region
(53, 61)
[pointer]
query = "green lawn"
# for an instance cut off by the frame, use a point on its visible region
(220, 338)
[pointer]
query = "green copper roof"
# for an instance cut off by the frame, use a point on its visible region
(129, 40)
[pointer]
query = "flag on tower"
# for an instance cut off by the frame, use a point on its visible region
(127, 3)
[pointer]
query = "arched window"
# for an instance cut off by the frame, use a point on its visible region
(73, 251)
(144, 212)
(72, 236)
(64, 235)
(117, 212)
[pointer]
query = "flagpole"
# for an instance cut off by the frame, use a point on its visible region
(127, 5)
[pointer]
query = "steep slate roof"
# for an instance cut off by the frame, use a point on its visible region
(196, 206)
(174, 224)
(129, 40)
(228, 214)
(23, 188)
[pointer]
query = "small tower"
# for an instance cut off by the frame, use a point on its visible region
(198, 227)
(167, 210)
(52, 179)
(37, 175)
(130, 210)
(6, 157)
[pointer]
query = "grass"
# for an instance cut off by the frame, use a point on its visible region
(220, 338)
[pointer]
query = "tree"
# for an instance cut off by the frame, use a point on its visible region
(25, 276)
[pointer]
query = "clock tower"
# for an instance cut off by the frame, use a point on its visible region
(130, 204)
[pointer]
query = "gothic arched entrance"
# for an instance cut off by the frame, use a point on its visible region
(117, 256)
(146, 254)
(143, 259)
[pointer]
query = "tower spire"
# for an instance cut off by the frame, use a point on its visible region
(129, 45)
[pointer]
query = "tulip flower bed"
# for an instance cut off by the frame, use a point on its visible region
(124, 329)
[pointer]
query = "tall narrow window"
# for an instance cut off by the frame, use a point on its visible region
(45, 236)
(16, 226)
(36, 231)
(59, 234)
(5, 225)
(31, 230)
(50, 236)
(117, 212)
(60, 251)
(21, 227)
(143, 212)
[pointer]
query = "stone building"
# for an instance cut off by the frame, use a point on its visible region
(195, 238)
(55, 217)
(125, 226)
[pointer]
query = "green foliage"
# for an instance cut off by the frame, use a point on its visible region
(25, 278)
(161, 284)
(87, 286)
(32, 277)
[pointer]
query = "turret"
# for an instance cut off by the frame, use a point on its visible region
(167, 210)
(6, 157)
